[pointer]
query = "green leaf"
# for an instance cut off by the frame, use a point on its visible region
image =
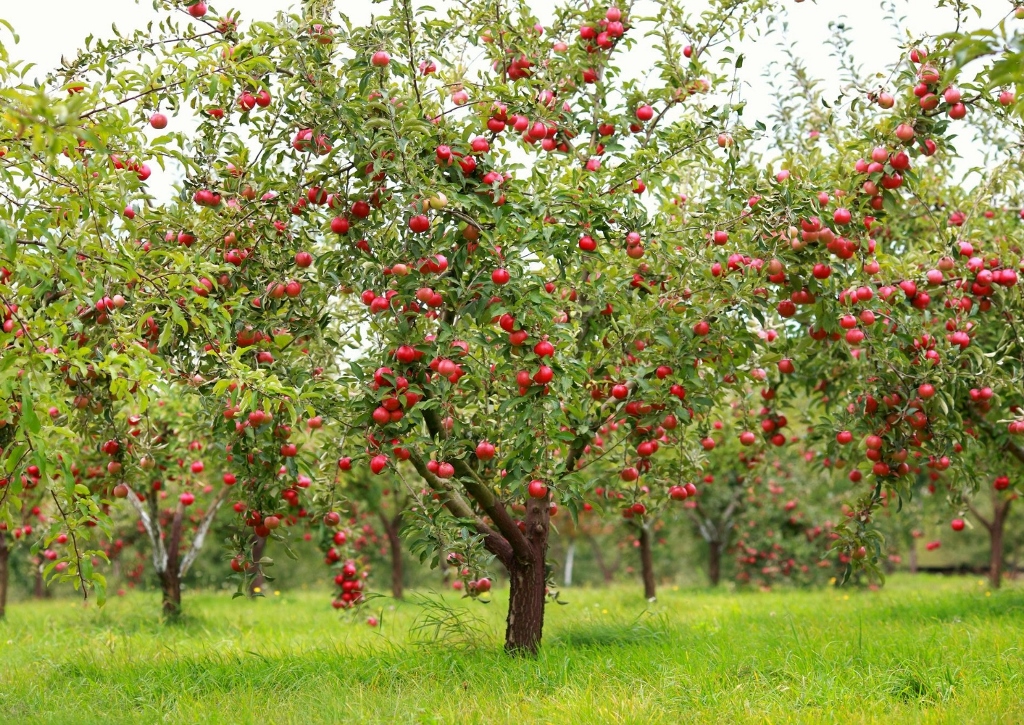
(28, 413)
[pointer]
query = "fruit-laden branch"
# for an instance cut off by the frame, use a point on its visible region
(483, 495)
(204, 528)
(74, 544)
(457, 506)
(152, 530)
(1014, 449)
(580, 444)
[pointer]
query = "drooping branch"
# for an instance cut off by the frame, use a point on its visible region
(204, 528)
(1014, 449)
(457, 506)
(152, 528)
(476, 488)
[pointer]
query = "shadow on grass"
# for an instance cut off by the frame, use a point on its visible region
(646, 628)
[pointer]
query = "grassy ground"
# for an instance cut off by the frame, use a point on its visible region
(922, 650)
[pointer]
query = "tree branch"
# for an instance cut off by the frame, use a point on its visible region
(457, 506)
(152, 529)
(204, 528)
(484, 496)
(977, 514)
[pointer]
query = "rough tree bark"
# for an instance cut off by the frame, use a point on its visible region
(391, 529)
(995, 527)
(259, 545)
(528, 584)
(647, 563)
(170, 577)
(715, 562)
(5, 556)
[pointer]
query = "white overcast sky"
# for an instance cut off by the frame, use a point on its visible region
(50, 28)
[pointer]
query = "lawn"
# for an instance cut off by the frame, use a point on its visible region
(923, 649)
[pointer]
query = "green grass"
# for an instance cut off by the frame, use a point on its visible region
(927, 650)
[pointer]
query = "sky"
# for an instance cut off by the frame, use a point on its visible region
(50, 28)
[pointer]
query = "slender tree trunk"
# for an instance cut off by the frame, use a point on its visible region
(570, 559)
(528, 585)
(995, 571)
(170, 578)
(259, 545)
(912, 555)
(606, 571)
(391, 527)
(995, 533)
(647, 564)
(5, 555)
(40, 591)
(714, 562)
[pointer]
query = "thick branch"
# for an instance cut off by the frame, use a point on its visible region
(977, 514)
(484, 496)
(152, 528)
(204, 528)
(457, 506)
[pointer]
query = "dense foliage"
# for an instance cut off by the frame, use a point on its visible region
(466, 250)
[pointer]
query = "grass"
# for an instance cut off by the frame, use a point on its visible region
(922, 650)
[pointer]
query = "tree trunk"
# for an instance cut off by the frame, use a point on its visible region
(170, 579)
(40, 591)
(606, 571)
(912, 555)
(714, 562)
(528, 585)
(5, 555)
(570, 558)
(995, 533)
(395, 542)
(259, 545)
(647, 564)
(170, 584)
